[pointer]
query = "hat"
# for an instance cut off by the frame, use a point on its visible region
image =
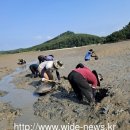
(58, 64)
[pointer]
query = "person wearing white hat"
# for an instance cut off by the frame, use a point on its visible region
(47, 68)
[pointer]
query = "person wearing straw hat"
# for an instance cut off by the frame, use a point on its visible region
(49, 73)
(47, 68)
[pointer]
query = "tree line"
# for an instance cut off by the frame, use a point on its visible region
(70, 39)
(123, 34)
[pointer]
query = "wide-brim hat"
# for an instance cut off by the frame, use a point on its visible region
(58, 64)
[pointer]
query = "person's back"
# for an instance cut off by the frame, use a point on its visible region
(50, 65)
(34, 70)
(21, 61)
(88, 55)
(43, 58)
(87, 74)
(46, 64)
(35, 66)
(49, 58)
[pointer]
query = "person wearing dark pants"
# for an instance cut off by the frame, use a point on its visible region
(80, 86)
(80, 78)
(34, 70)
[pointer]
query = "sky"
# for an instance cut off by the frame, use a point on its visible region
(25, 23)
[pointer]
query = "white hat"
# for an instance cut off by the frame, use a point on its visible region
(58, 64)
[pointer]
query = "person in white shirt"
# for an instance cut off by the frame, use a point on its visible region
(46, 69)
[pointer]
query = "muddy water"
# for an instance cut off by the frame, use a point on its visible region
(23, 99)
(19, 98)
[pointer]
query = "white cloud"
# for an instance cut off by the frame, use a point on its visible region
(49, 37)
(39, 37)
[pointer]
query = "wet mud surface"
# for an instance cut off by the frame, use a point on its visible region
(61, 105)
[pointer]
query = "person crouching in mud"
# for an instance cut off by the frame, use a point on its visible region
(34, 70)
(49, 74)
(90, 54)
(43, 58)
(80, 79)
(47, 68)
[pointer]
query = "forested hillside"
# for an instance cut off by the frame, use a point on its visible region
(123, 34)
(64, 40)
(68, 39)
(71, 39)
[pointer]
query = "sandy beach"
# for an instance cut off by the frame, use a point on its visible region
(61, 105)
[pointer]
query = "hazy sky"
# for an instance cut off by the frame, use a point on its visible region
(25, 23)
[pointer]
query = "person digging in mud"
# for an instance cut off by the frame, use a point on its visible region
(21, 61)
(52, 66)
(90, 54)
(80, 79)
(42, 58)
(49, 73)
(34, 70)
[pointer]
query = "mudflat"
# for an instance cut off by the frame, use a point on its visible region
(113, 64)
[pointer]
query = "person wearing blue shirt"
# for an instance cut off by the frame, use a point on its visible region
(90, 54)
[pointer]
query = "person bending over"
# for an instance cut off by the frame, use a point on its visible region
(42, 58)
(84, 82)
(34, 70)
(49, 69)
(90, 54)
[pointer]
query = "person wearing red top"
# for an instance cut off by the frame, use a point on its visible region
(80, 78)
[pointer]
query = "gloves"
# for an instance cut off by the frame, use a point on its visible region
(93, 87)
(43, 79)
